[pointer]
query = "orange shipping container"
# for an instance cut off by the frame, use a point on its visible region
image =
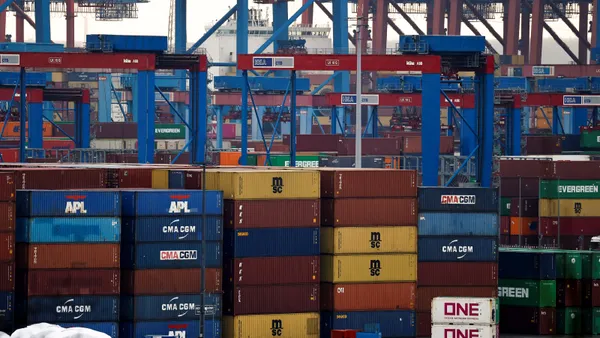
(524, 225)
(68, 256)
(12, 129)
(368, 297)
(229, 158)
(412, 145)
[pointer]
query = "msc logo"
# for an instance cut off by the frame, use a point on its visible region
(76, 206)
(277, 185)
(276, 327)
(375, 240)
(375, 267)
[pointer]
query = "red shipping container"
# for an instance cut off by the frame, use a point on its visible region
(272, 270)
(369, 211)
(68, 256)
(272, 213)
(524, 241)
(527, 168)
(570, 226)
(71, 282)
(337, 183)
(58, 144)
(527, 320)
(413, 145)
(7, 277)
(10, 155)
(591, 293)
(519, 187)
(567, 242)
(457, 273)
(569, 293)
(343, 333)
(543, 145)
(426, 294)
(60, 178)
(129, 177)
(7, 188)
(7, 247)
(316, 142)
(7, 216)
(368, 297)
(524, 207)
(193, 179)
(169, 281)
(371, 146)
(575, 170)
(247, 300)
(423, 324)
(504, 225)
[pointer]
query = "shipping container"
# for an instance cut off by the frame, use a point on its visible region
(397, 324)
(289, 325)
(8, 216)
(94, 282)
(575, 170)
(570, 208)
(370, 162)
(570, 226)
(169, 307)
(505, 225)
(525, 292)
(176, 328)
(368, 212)
(457, 249)
(7, 304)
(171, 228)
(193, 179)
(170, 255)
(525, 226)
(524, 207)
(591, 321)
(108, 328)
(569, 265)
(519, 187)
(505, 206)
(371, 146)
(457, 273)
(368, 297)
(241, 243)
(425, 294)
(470, 311)
(272, 270)
(272, 213)
(7, 186)
(60, 178)
(68, 230)
(569, 321)
(527, 320)
(160, 179)
(68, 256)
(129, 178)
(169, 281)
(526, 168)
(71, 309)
(570, 189)
(171, 202)
(7, 247)
(458, 199)
(569, 293)
(466, 330)
(526, 264)
(318, 142)
(263, 299)
(254, 184)
(355, 183)
(7, 277)
(458, 224)
(355, 240)
(68, 203)
(369, 268)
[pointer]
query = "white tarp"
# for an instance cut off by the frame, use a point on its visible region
(45, 330)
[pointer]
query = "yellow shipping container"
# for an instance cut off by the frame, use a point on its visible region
(290, 325)
(369, 268)
(255, 184)
(570, 208)
(160, 179)
(58, 77)
(356, 240)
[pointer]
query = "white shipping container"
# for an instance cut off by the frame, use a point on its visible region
(130, 144)
(171, 145)
(464, 331)
(107, 144)
(180, 144)
(459, 310)
(161, 145)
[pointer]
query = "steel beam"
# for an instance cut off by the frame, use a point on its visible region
(42, 19)
(525, 25)
(439, 10)
(513, 17)
(242, 28)
(537, 30)
(330, 16)
(431, 126)
(284, 27)
(307, 16)
(5, 5)
(280, 17)
(455, 17)
(582, 38)
(595, 25)
(145, 103)
(484, 21)
(476, 32)
(408, 19)
(70, 19)
(584, 47)
(212, 30)
(20, 24)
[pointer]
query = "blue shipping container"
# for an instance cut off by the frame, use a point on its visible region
(458, 199)
(457, 249)
(169, 255)
(171, 202)
(180, 329)
(69, 230)
(57, 203)
(70, 309)
(171, 229)
(111, 329)
(458, 224)
(526, 265)
(395, 324)
(274, 242)
(6, 308)
(176, 179)
(168, 307)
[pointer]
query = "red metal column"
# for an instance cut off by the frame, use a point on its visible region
(70, 23)
(3, 24)
(594, 20)
(379, 32)
(537, 30)
(429, 17)
(20, 29)
(583, 29)
(504, 25)
(307, 16)
(362, 12)
(525, 17)
(439, 12)
(511, 39)
(455, 17)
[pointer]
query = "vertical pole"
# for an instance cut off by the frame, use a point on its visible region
(524, 42)
(512, 28)
(200, 124)
(455, 17)
(20, 22)
(468, 140)
(203, 262)
(375, 121)
(583, 29)
(2, 24)
(42, 21)
(145, 104)
(515, 135)
(242, 41)
(431, 127)
(293, 121)
(23, 117)
(70, 18)
(244, 122)
(358, 133)
(537, 29)
(341, 83)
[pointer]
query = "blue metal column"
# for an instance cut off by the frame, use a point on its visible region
(23, 116)
(256, 135)
(220, 110)
(567, 119)
(144, 100)
(180, 48)
(374, 121)
(431, 127)
(198, 116)
(468, 140)
(449, 120)
(515, 132)
(341, 83)
(244, 118)
(293, 121)
(135, 92)
(280, 18)
(42, 21)
(580, 119)
(105, 98)
(82, 125)
(242, 45)
(556, 121)
(306, 117)
(35, 125)
(484, 104)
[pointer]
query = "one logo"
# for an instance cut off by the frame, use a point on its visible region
(375, 240)
(179, 205)
(182, 308)
(375, 267)
(577, 208)
(182, 230)
(178, 255)
(276, 327)
(76, 205)
(277, 185)
(77, 310)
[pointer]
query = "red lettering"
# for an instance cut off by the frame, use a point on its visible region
(458, 309)
(458, 333)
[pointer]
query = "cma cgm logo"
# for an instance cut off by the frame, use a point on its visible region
(76, 205)
(174, 306)
(70, 307)
(458, 199)
(182, 230)
(179, 205)
(178, 255)
(454, 247)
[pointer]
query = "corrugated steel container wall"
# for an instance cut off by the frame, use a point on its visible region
(527, 265)
(272, 270)
(7, 277)
(72, 309)
(575, 170)
(212, 329)
(68, 203)
(7, 247)
(525, 292)
(505, 225)
(570, 208)
(425, 294)
(111, 329)
(458, 224)
(369, 268)
(458, 199)
(371, 162)
(570, 226)
(265, 184)
(542, 145)
(524, 207)
(518, 186)
(129, 178)
(58, 178)
(69, 230)
(318, 142)
(528, 320)
(160, 179)
(338, 183)
(371, 146)
(71, 282)
(565, 189)
(176, 179)
(569, 293)
(526, 168)
(171, 202)
(193, 180)
(272, 213)
(170, 255)
(354, 240)
(290, 325)
(368, 212)
(70, 256)
(458, 249)
(8, 216)
(368, 297)
(271, 242)
(527, 226)
(7, 186)
(171, 229)
(457, 273)
(167, 307)
(7, 303)
(263, 299)
(395, 324)
(169, 281)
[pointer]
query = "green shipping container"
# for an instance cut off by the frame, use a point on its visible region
(573, 265)
(252, 159)
(569, 321)
(595, 265)
(570, 189)
(590, 139)
(505, 206)
(169, 132)
(586, 264)
(523, 292)
(591, 321)
(301, 161)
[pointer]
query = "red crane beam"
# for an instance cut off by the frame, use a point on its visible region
(235, 99)
(408, 100)
(101, 62)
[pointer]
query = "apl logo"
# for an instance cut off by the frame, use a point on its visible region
(182, 230)
(375, 240)
(177, 330)
(375, 267)
(76, 205)
(182, 308)
(277, 185)
(462, 250)
(179, 205)
(276, 327)
(77, 310)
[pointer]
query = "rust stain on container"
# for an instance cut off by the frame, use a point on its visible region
(526, 168)
(7, 216)
(70, 256)
(72, 282)
(7, 247)
(272, 213)
(368, 297)
(426, 294)
(272, 299)
(7, 186)
(169, 281)
(7, 276)
(369, 211)
(368, 183)
(457, 273)
(272, 270)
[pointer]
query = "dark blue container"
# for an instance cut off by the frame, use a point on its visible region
(169, 255)
(126, 43)
(69, 230)
(71, 203)
(570, 142)
(176, 179)
(526, 265)
(69, 309)
(171, 203)
(6, 311)
(457, 249)
(348, 161)
(171, 229)
(395, 324)
(82, 77)
(458, 199)
(274, 242)
(168, 307)
(111, 329)
(180, 329)
(457, 224)
(31, 78)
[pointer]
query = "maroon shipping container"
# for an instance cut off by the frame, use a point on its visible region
(7, 186)
(569, 293)
(457, 273)
(426, 294)
(575, 170)
(7, 277)
(337, 183)
(317, 142)
(369, 211)
(68, 256)
(71, 282)
(525, 241)
(129, 178)
(371, 146)
(265, 299)
(272, 213)
(543, 145)
(591, 293)
(169, 281)
(413, 145)
(368, 297)
(528, 207)
(570, 226)
(59, 178)
(193, 179)
(567, 242)
(423, 324)
(272, 270)
(519, 187)
(504, 240)
(102, 130)
(7, 216)
(527, 320)
(504, 225)
(528, 168)
(7, 247)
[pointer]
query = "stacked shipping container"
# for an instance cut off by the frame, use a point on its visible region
(457, 247)
(161, 261)
(68, 258)
(7, 259)
(368, 244)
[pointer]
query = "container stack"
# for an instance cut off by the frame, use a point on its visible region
(591, 292)
(7, 259)
(271, 249)
(368, 245)
(162, 261)
(457, 247)
(464, 317)
(68, 258)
